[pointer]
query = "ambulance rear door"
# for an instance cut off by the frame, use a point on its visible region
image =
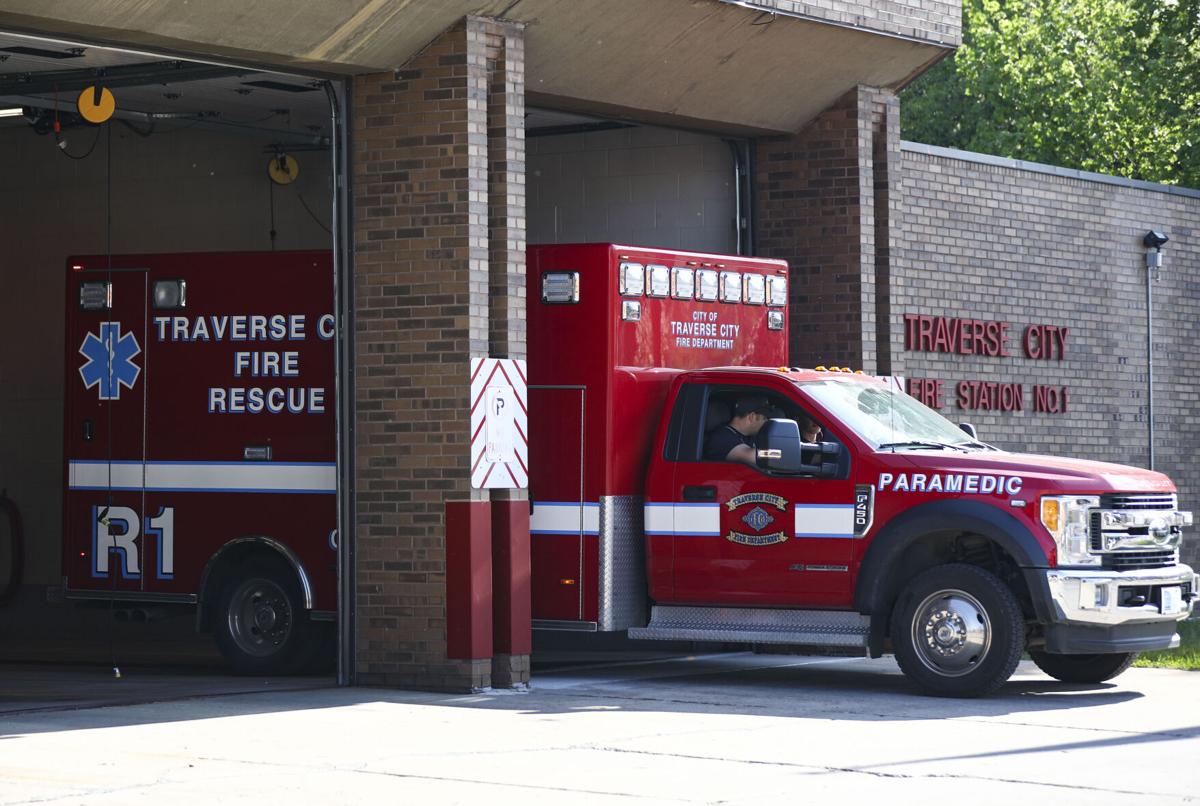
(105, 550)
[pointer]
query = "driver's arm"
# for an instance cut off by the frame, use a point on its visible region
(742, 453)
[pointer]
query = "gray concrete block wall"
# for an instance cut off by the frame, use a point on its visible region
(641, 185)
(175, 191)
(930, 20)
(1030, 246)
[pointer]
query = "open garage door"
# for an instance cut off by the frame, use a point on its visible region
(130, 178)
(595, 180)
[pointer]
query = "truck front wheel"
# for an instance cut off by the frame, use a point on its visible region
(261, 626)
(957, 631)
(1083, 668)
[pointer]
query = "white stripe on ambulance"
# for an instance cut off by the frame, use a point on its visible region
(229, 477)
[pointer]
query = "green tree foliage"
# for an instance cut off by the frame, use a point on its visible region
(1102, 85)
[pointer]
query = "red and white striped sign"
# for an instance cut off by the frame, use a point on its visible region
(499, 424)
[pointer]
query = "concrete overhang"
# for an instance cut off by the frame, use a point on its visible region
(696, 63)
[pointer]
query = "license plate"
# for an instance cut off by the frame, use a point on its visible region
(1172, 600)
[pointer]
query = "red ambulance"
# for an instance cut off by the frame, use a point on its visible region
(895, 530)
(199, 444)
(199, 447)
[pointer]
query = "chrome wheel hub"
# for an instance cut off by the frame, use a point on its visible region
(951, 632)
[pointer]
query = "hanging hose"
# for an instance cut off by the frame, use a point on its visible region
(16, 548)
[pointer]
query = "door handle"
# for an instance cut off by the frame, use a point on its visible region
(89, 430)
(700, 493)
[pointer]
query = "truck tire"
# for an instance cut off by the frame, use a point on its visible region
(1083, 668)
(957, 631)
(260, 624)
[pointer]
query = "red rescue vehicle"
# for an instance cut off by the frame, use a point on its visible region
(199, 447)
(199, 444)
(895, 530)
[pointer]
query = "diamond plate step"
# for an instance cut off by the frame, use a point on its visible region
(755, 625)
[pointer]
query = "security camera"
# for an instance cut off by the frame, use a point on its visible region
(1155, 239)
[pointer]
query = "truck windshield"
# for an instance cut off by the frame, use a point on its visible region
(886, 418)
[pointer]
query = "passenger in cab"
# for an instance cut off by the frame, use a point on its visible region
(809, 430)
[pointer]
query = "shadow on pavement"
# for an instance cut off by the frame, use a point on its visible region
(740, 684)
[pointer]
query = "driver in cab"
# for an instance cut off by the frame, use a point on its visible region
(734, 441)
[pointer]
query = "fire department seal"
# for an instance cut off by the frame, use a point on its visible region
(757, 519)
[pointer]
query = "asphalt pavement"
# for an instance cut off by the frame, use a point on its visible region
(733, 728)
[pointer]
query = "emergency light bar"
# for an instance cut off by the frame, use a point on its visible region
(560, 287)
(731, 286)
(777, 291)
(683, 283)
(754, 289)
(658, 281)
(170, 294)
(633, 280)
(95, 296)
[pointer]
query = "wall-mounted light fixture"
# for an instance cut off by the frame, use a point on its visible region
(1153, 241)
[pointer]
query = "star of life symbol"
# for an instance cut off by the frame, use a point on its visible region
(109, 361)
(758, 519)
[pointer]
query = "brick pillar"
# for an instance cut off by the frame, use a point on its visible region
(884, 109)
(816, 197)
(420, 167)
(506, 188)
(507, 334)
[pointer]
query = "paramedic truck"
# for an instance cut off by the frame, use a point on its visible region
(898, 531)
(199, 442)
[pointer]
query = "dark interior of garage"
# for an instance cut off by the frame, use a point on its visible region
(184, 164)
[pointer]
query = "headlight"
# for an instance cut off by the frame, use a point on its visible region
(1066, 519)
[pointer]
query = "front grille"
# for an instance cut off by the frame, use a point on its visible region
(1133, 559)
(1136, 560)
(1138, 501)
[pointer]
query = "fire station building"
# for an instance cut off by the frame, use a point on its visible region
(428, 143)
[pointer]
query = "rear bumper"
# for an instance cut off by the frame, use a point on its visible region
(1098, 611)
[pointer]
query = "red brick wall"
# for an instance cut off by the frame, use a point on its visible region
(996, 239)
(506, 191)
(421, 271)
(883, 108)
(815, 196)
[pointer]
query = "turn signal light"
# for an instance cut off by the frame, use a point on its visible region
(566, 582)
(1051, 513)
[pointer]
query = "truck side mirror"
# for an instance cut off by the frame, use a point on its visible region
(780, 450)
(828, 459)
(969, 430)
(779, 446)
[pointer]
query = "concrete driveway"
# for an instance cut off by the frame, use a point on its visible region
(729, 728)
